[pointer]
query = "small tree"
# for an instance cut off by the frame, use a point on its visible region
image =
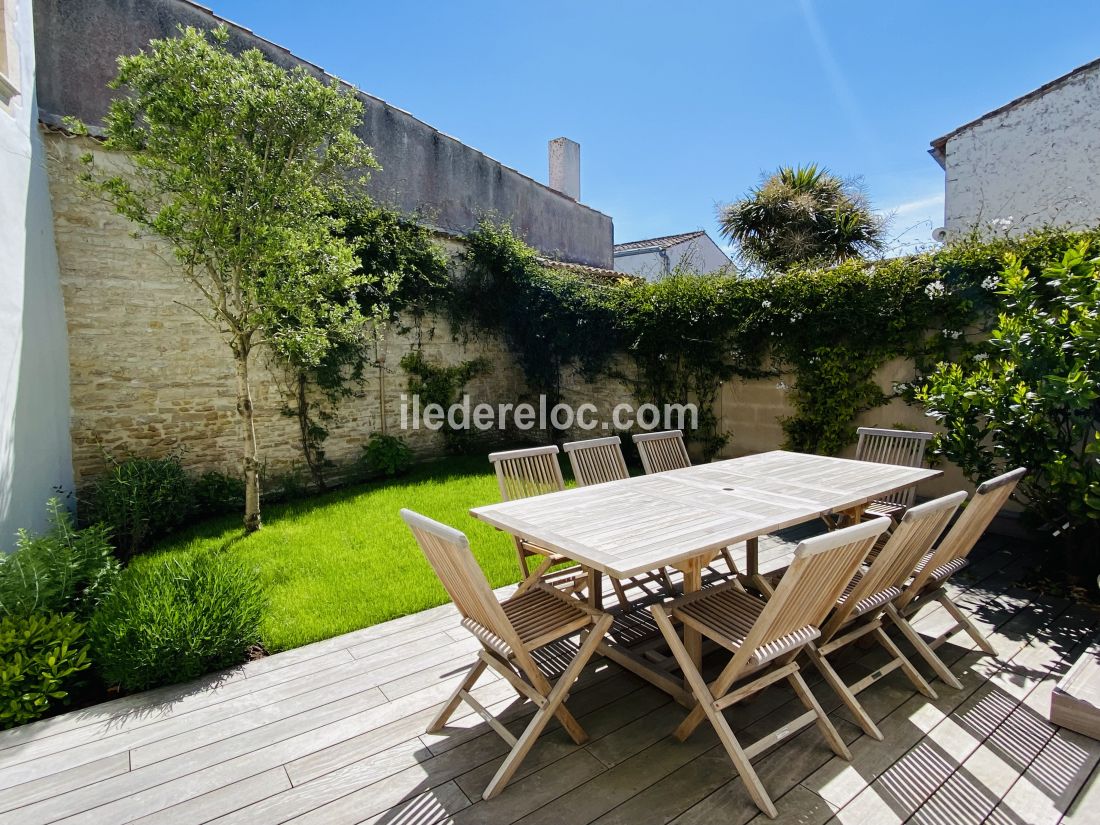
(237, 162)
(802, 216)
(1031, 398)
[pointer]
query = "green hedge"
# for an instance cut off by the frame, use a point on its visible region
(687, 334)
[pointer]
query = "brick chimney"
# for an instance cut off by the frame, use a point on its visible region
(565, 167)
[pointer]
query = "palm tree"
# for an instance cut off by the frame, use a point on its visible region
(802, 216)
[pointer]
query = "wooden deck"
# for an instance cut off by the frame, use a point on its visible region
(333, 733)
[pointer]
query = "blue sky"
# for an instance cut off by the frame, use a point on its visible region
(680, 107)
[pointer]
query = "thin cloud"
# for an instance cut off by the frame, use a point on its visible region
(841, 87)
(916, 205)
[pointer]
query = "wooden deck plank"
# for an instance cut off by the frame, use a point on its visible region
(200, 809)
(400, 766)
(334, 732)
(1084, 807)
(66, 780)
(901, 790)
(149, 748)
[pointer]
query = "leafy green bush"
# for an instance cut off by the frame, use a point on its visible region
(687, 334)
(217, 493)
(171, 619)
(39, 656)
(63, 570)
(1031, 396)
(385, 455)
(140, 499)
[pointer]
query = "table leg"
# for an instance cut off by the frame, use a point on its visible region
(752, 566)
(693, 640)
(595, 589)
(752, 557)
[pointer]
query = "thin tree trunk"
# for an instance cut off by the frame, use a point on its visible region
(314, 462)
(251, 462)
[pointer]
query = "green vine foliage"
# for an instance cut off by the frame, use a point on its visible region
(1030, 396)
(549, 319)
(832, 328)
(403, 271)
(443, 385)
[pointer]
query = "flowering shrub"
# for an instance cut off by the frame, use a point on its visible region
(1031, 395)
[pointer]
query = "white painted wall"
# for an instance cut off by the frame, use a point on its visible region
(34, 374)
(649, 264)
(700, 255)
(1037, 164)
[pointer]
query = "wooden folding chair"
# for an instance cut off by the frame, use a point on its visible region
(859, 609)
(900, 447)
(515, 636)
(936, 567)
(663, 451)
(533, 472)
(765, 638)
(597, 461)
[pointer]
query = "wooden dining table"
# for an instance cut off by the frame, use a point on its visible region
(684, 518)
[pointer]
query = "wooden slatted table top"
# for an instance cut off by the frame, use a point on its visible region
(623, 528)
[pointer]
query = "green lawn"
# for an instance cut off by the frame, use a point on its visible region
(345, 560)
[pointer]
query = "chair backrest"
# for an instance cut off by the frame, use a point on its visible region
(895, 563)
(822, 567)
(662, 451)
(901, 447)
(988, 500)
(530, 472)
(596, 460)
(448, 552)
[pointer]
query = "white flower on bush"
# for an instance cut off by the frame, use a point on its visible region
(765, 304)
(953, 334)
(991, 282)
(1002, 224)
(935, 289)
(981, 356)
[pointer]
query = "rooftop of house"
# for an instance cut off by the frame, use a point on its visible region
(939, 145)
(664, 242)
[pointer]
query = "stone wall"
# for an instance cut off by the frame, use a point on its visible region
(148, 376)
(752, 412)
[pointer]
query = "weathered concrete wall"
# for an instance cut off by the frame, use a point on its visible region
(1032, 165)
(34, 382)
(423, 170)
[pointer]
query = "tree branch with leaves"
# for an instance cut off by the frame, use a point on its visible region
(236, 162)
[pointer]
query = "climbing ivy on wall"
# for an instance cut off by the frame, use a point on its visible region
(832, 328)
(405, 271)
(549, 319)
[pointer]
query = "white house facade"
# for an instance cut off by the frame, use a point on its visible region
(1033, 162)
(654, 258)
(35, 455)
